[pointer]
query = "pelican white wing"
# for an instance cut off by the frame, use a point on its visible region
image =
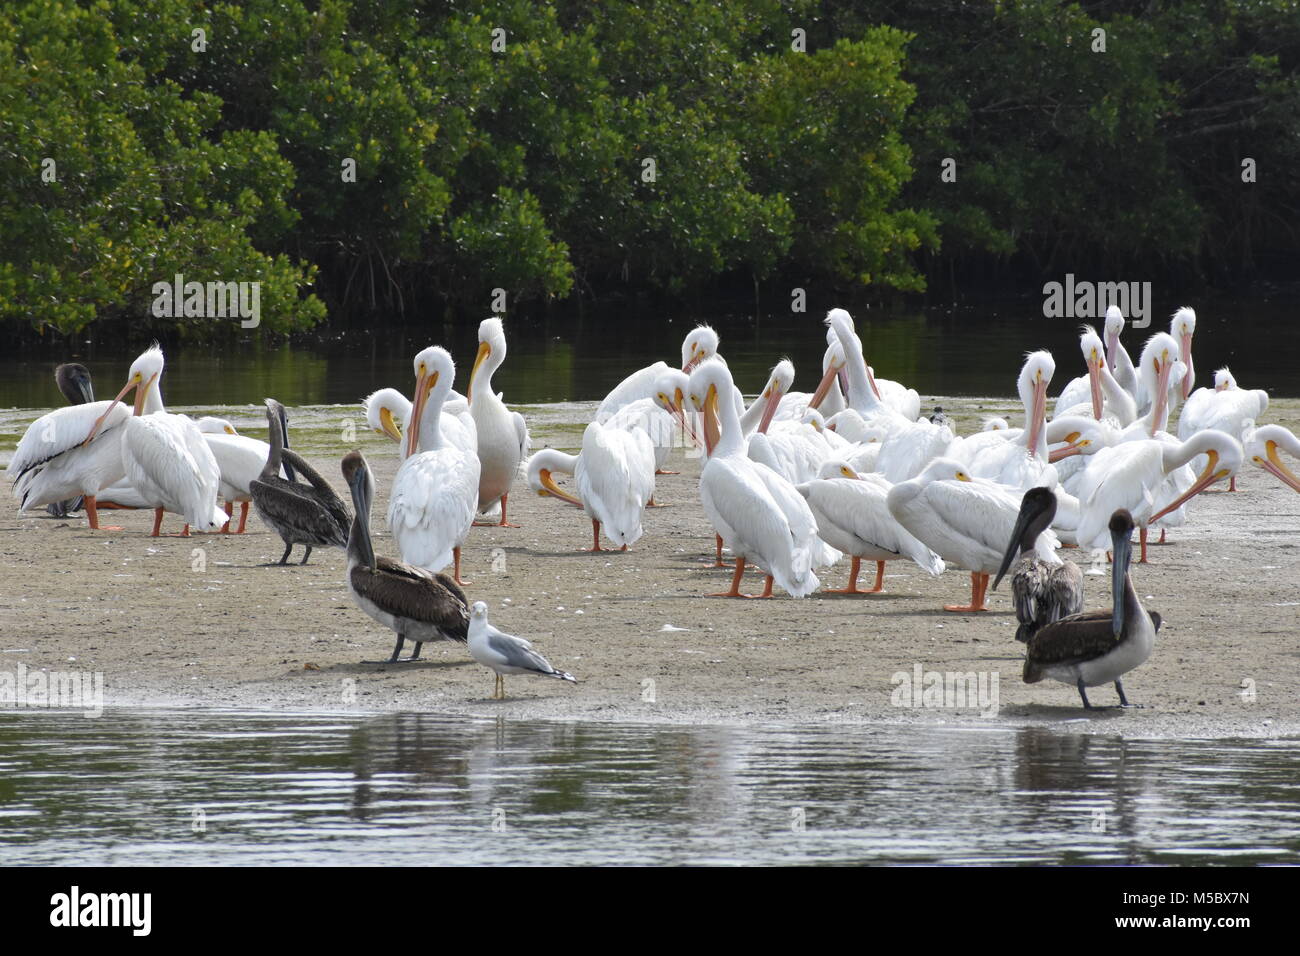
(615, 479)
(432, 505)
(169, 463)
(50, 463)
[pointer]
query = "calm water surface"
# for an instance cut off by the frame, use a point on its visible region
(973, 350)
(134, 786)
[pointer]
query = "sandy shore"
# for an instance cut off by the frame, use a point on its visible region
(202, 621)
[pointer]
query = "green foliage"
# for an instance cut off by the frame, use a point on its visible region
(142, 183)
(505, 143)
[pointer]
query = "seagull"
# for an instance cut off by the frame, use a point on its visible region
(505, 653)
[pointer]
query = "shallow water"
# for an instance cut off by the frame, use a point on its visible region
(954, 351)
(203, 787)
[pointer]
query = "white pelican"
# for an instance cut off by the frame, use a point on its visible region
(71, 452)
(700, 344)
(1097, 393)
(614, 474)
(1130, 476)
(853, 517)
(889, 395)
(1225, 407)
(1158, 372)
(966, 521)
(308, 514)
(388, 410)
(502, 434)
(759, 514)
(1019, 463)
(505, 653)
(1262, 445)
(165, 458)
(1181, 329)
(1042, 591)
(436, 491)
(1117, 358)
(907, 444)
(417, 604)
(1097, 647)
(660, 417)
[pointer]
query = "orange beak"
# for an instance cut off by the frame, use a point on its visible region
(1094, 383)
(773, 400)
(1273, 465)
(544, 476)
(388, 426)
(1070, 448)
(1208, 477)
(138, 409)
(484, 350)
(712, 427)
(824, 386)
(423, 386)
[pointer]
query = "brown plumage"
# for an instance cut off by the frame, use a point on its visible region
(309, 514)
(1088, 636)
(1042, 593)
(417, 604)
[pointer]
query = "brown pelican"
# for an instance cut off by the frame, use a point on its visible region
(1042, 591)
(416, 603)
(312, 514)
(1098, 647)
(74, 382)
(505, 653)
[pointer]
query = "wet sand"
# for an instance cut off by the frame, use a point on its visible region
(203, 621)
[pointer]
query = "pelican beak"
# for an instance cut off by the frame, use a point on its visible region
(1038, 413)
(1094, 383)
(773, 400)
(1274, 466)
(1185, 347)
(824, 386)
(1122, 550)
(361, 499)
(1160, 401)
(388, 426)
(549, 487)
(133, 382)
(1022, 522)
(423, 386)
(1072, 447)
(679, 408)
(712, 428)
(484, 350)
(1209, 476)
(871, 380)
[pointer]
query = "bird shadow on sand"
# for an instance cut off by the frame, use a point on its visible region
(865, 597)
(397, 667)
